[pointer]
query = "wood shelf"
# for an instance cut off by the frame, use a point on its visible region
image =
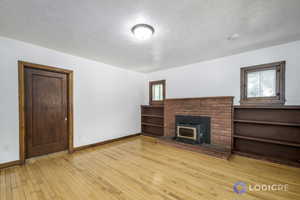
(267, 123)
(152, 120)
(271, 159)
(157, 116)
(150, 124)
(267, 140)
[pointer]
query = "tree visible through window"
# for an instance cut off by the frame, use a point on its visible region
(263, 84)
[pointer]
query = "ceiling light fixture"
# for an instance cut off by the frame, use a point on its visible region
(142, 31)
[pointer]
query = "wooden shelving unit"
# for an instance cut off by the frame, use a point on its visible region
(271, 133)
(267, 123)
(151, 124)
(268, 141)
(152, 120)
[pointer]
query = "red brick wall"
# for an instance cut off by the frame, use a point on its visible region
(219, 109)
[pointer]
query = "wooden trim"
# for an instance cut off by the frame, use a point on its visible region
(151, 83)
(70, 112)
(285, 107)
(10, 164)
(277, 100)
(196, 98)
(21, 113)
(45, 67)
(104, 142)
(22, 130)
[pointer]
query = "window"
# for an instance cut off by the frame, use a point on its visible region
(157, 92)
(263, 84)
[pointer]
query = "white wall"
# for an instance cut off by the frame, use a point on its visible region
(106, 99)
(221, 77)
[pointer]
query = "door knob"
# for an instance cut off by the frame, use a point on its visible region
(66, 119)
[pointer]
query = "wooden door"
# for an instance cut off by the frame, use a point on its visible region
(46, 112)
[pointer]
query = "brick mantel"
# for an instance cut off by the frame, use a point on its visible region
(200, 98)
(219, 109)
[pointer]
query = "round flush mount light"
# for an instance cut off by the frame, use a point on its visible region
(142, 31)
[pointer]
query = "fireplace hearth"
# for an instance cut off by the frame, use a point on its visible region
(192, 129)
(212, 114)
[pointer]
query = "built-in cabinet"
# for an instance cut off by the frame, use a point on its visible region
(271, 133)
(152, 120)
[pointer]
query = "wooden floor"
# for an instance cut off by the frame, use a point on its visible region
(139, 168)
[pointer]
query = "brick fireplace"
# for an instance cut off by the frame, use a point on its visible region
(219, 109)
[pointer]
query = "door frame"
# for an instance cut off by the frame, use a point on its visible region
(22, 117)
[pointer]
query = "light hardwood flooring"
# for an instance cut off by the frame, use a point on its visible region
(139, 168)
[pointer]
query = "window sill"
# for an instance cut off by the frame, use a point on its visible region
(262, 102)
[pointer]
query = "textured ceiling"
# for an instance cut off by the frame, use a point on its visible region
(186, 31)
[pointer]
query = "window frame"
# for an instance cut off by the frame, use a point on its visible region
(151, 83)
(277, 100)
